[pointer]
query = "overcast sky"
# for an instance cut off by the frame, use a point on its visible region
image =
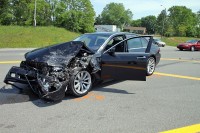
(142, 8)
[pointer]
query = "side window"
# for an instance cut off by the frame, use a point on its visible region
(144, 42)
(115, 40)
(134, 43)
(137, 45)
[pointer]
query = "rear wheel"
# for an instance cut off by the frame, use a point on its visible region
(192, 48)
(151, 64)
(81, 83)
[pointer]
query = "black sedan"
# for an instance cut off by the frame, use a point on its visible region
(75, 66)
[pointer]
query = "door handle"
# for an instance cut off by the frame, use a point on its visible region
(141, 57)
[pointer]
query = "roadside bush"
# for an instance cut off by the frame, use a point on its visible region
(198, 32)
(191, 32)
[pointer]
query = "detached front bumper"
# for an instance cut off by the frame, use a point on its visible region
(29, 77)
(20, 75)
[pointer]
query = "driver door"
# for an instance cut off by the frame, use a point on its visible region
(127, 64)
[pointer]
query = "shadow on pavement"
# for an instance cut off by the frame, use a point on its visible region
(167, 64)
(11, 95)
(102, 87)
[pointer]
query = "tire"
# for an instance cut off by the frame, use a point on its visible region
(80, 84)
(181, 49)
(151, 64)
(192, 48)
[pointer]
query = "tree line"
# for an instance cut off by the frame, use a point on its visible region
(177, 21)
(79, 16)
(74, 15)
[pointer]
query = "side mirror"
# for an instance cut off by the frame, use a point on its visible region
(111, 51)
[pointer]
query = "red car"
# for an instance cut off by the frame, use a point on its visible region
(190, 45)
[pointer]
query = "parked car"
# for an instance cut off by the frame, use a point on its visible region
(75, 66)
(159, 42)
(191, 45)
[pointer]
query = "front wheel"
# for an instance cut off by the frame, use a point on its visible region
(151, 64)
(81, 83)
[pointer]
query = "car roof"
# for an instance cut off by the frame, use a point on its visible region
(112, 33)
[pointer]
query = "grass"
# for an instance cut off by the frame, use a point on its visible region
(33, 37)
(174, 41)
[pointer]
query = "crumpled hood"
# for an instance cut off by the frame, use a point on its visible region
(54, 55)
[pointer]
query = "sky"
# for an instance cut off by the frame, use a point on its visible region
(143, 8)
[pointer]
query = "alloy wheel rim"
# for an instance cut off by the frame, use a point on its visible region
(82, 82)
(151, 66)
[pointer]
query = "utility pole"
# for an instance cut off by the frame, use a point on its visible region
(35, 22)
(163, 22)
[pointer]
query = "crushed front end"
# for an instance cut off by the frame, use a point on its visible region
(46, 81)
(48, 70)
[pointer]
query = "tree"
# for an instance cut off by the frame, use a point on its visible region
(98, 20)
(198, 18)
(183, 20)
(6, 14)
(136, 23)
(116, 14)
(162, 25)
(75, 15)
(20, 11)
(150, 23)
(87, 17)
(198, 24)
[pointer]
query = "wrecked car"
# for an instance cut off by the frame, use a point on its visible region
(75, 66)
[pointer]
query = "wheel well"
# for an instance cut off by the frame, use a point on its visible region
(153, 57)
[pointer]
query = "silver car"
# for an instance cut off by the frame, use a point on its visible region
(159, 42)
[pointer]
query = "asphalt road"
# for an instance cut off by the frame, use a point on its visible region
(168, 100)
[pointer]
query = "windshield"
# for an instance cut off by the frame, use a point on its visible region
(191, 41)
(93, 41)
